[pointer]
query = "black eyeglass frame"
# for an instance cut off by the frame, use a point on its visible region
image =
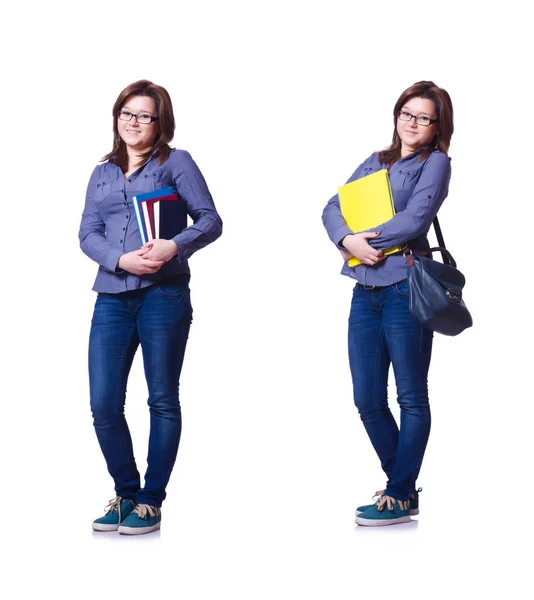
(119, 112)
(401, 110)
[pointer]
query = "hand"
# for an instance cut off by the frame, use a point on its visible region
(358, 246)
(345, 254)
(136, 263)
(160, 250)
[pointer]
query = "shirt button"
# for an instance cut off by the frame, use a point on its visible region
(123, 228)
(127, 217)
(129, 180)
(121, 241)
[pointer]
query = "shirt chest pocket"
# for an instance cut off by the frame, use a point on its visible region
(407, 180)
(150, 181)
(109, 195)
(108, 189)
(102, 191)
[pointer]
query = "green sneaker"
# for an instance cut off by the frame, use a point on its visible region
(116, 511)
(414, 502)
(388, 511)
(143, 519)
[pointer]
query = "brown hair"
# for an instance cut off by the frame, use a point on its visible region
(165, 115)
(442, 140)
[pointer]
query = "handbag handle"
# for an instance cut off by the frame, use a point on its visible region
(447, 256)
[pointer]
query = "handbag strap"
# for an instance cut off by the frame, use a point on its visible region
(445, 254)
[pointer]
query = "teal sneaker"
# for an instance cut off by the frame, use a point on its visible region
(143, 519)
(414, 502)
(116, 511)
(388, 511)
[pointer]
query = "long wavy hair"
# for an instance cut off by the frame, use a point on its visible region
(166, 122)
(442, 140)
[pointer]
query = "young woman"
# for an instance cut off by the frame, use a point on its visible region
(143, 297)
(381, 328)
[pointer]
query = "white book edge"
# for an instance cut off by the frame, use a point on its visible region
(156, 218)
(147, 222)
(139, 222)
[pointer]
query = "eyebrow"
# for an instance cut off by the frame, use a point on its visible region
(140, 112)
(422, 114)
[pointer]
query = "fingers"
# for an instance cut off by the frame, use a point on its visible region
(373, 259)
(146, 269)
(370, 234)
(148, 262)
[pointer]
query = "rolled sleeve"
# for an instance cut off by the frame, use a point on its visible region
(192, 188)
(421, 208)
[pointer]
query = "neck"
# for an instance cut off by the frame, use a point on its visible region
(134, 156)
(407, 150)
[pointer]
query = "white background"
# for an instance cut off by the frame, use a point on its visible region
(277, 102)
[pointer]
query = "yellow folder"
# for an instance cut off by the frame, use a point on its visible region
(366, 203)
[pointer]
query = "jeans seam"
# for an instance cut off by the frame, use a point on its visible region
(123, 360)
(380, 342)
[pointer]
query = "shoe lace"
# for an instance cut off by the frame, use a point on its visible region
(390, 503)
(377, 495)
(115, 505)
(143, 509)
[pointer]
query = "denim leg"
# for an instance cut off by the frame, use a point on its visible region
(163, 324)
(112, 345)
(410, 349)
(369, 364)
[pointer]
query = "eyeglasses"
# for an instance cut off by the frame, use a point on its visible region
(423, 120)
(143, 118)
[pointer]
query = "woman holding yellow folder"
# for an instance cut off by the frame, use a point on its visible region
(382, 330)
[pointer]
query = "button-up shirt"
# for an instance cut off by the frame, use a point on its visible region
(419, 188)
(109, 226)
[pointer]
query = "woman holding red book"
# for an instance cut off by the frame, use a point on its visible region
(143, 297)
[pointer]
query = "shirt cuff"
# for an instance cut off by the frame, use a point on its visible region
(111, 261)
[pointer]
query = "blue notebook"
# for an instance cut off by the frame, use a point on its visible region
(160, 214)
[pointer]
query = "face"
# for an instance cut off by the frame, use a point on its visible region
(138, 136)
(412, 135)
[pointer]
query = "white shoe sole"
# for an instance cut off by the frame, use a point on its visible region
(413, 512)
(379, 522)
(138, 530)
(103, 527)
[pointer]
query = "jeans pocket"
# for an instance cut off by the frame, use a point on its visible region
(173, 289)
(402, 289)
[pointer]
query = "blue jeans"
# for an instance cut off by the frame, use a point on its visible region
(157, 317)
(382, 332)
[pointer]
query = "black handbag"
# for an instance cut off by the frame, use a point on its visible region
(436, 290)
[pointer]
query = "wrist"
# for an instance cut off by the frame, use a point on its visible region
(173, 248)
(342, 242)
